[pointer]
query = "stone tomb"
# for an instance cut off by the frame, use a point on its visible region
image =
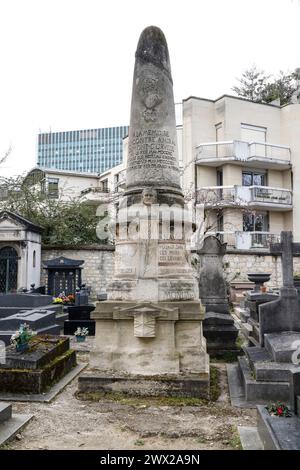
(48, 359)
(282, 433)
(80, 313)
(250, 314)
(39, 320)
(149, 338)
(264, 371)
(218, 326)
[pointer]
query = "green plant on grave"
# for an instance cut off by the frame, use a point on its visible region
(22, 336)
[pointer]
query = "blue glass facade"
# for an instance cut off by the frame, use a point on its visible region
(89, 150)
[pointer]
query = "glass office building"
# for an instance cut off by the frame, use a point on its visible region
(90, 150)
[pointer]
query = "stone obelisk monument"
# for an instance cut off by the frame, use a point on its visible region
(151, 324)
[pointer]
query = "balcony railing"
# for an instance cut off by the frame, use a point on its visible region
(266, 194)
(243, 196)
(246, 240)
(239, 150)
(252, 240)
(94, 190)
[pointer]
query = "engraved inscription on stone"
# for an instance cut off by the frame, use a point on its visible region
(171, 254)
(152, 148)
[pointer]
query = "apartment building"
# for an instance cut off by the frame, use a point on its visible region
(241, 163)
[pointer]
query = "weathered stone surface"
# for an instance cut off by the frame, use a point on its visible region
(212, 284)
(168, 386)
(281, 346)
(278, 433)
(177, 347)
(151, 323)
(43, 349)
(34, 371)
(152, 153)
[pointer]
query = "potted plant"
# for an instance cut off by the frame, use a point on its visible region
(81, 334)
(22, 337)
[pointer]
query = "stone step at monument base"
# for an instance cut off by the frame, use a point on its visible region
(10, 424)
(48, 359)
(261, 391)
(273, 371)
(278, 433)
(256, 354)
(281, 346)
(181, 386)
(70, 326)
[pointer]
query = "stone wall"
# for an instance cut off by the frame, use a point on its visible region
(98, 264)
(239, 264)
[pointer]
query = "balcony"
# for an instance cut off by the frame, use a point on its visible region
(258, 154)
(255, 197)
(247, 240)
(95, 195)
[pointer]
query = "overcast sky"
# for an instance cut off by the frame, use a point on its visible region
(68, 64)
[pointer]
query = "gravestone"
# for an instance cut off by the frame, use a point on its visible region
(40, 320)
(218, 326)
(80, 313)
(282, 314)
(282, 433)
(149, 336)
(265, 369)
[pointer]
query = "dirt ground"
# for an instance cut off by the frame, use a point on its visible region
(70, 423)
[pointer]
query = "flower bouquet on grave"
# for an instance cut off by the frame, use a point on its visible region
(64, 299)
(21, 338)
(279, 409)
(81, 334)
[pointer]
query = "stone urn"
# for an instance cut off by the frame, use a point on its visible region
(259, 279)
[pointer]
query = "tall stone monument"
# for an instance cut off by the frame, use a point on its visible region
(149, 337)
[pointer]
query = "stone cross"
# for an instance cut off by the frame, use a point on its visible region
(286, 249)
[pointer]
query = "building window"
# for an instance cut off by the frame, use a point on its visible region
(53, 187)
(34, 259)
(258, 222)
(254, 178)
(104, 185)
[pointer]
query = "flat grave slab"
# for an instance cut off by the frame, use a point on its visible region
(36, 370)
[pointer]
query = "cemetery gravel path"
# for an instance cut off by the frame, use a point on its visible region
(68, 423)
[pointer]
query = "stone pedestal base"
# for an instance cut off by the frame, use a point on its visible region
(155, 386)
(161, 342)
(220, 333)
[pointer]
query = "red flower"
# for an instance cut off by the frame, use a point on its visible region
(280, 411)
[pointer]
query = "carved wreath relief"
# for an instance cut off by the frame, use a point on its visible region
(151, 97)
